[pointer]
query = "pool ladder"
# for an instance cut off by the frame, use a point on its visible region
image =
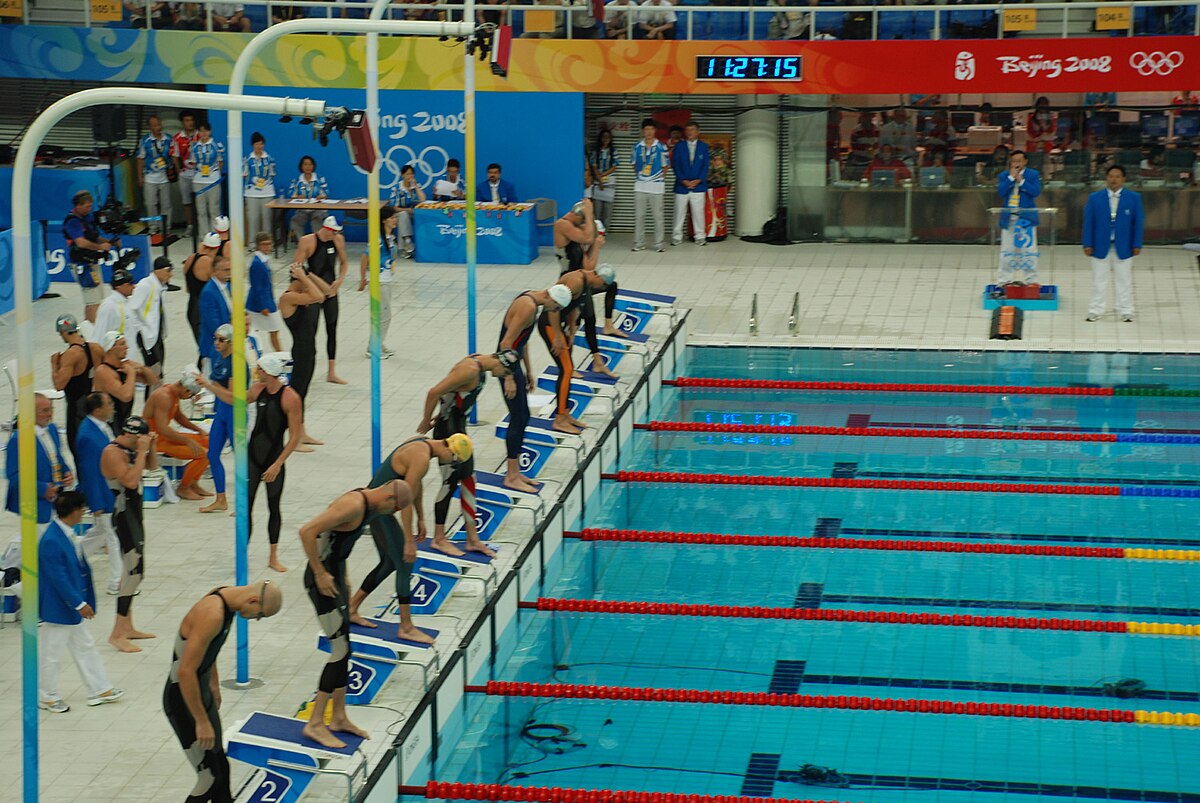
(793, 321)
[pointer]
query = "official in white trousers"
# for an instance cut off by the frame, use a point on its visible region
(647, 203)
(689, 202)
(1112, 236)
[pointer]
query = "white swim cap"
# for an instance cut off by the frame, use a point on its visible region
(211, 240)
(187, 378)
(606, 272)
(560, 294)
(221, 223)
(110, 339)
(276, 363)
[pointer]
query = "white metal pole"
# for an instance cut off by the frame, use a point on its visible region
(22, 180)
(373, 240)
(237, 256)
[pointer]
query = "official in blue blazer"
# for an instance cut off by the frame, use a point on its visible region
(495, 189)
(1112, 237)
(689, 163)
(66, 599)
(1018, 188)
(260, 298)
(53, 474)
(95, 433)
(215, 307)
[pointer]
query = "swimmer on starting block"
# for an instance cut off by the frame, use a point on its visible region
(397, 540)
(192, 695)
(328, 540)
(447, 406)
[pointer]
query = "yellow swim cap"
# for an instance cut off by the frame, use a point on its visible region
(460, 447)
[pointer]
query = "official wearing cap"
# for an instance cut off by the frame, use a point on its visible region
(116, 314)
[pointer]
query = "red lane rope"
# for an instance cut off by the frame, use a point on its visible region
(879, 432)
(558, 794)
(572, 691)
(882, 387)
(719, 539)
(837, 482)
(826, 615)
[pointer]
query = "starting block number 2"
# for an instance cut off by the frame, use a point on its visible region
(272, 789)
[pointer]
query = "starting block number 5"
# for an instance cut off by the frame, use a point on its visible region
(272, 789)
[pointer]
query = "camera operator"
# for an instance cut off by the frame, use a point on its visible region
(86, 251)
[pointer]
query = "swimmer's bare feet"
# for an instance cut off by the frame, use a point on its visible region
(309, 439)
(445, 546)
(412, 633)
(219, 503)
(319, 733)
(475, 545)
(577, 422)
(334, 379)
(188, 494)
(613, 331)
(123, 644)
(198, 488)
(137, 634)
(343, 725)
(275, 565)
(358, 619)
(519, 483)
(563, 423)
(303, 448)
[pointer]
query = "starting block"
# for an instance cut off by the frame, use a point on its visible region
(637, 308)
(376, 652)
(289, 759)
(545, 428)
(470, 566)
(615, 348)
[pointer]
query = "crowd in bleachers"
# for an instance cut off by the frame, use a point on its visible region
(933, 145)
(773, 19)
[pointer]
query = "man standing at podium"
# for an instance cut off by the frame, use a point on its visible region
(1019, 189)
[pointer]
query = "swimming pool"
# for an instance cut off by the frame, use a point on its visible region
(910, 595)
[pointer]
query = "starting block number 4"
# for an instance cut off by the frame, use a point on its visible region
(273, 788)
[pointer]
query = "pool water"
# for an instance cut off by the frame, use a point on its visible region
(874, 755)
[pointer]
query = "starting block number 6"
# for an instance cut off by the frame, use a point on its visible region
(525, 461)
(272, 789)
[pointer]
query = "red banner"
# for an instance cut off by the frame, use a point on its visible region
(1100, 64)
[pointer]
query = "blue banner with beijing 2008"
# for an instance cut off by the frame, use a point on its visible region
(504, 236)
(536, 138)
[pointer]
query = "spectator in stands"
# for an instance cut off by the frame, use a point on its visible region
(674, 137)
(494, 13)
(286, 13)
(230, 18)
(989, 172)
(939, 160)
(886, 159)
(1185, 101)
(258, 175)
(583, 24)
(1099, 100)
(655, 20)
(188, 16)
(940, 137)
(863, 141)
(789, 24)
(208, 155)
(310, 187)
(833, 136)
(924, 101)
(451, 186)
(160, 15)
(900, 134)
(604, 162)
(616, 18)
(181, 152)
(1154, 165)
(1040, 127)
(985, 114)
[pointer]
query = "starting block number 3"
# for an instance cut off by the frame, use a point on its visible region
(272, 789)
(358, 678)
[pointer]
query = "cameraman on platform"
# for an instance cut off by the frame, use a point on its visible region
(86, 251)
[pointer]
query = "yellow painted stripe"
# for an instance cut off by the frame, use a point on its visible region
(1167, 718)
(1162, 629)
(1162, 554)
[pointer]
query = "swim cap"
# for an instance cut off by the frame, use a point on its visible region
(225, 330)
(606, 272)
(560, 294)
(577, 209)
(221, 223)
(211, 240)
(110, 339)
(277, 363)
(508, 358)
(330, 222)
(187, 378)
(460, 446)
(135, 425)
(66, 324)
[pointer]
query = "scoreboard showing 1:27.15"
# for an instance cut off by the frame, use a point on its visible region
(748, 68)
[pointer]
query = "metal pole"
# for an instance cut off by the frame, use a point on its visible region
(470, 169)
(373, 237)
(237, 83)
(22, 180)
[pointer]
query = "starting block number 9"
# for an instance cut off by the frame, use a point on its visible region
(273, 789)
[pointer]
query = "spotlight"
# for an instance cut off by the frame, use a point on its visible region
(306, 121)
(287, 118)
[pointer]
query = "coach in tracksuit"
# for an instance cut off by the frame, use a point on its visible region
(1112, 237)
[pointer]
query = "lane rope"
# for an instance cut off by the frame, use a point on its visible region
(552, 604)
(916, 387)
(573, 691)
(436, 790)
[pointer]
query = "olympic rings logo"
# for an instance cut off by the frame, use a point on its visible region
(1156, 62)
(428, 164)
